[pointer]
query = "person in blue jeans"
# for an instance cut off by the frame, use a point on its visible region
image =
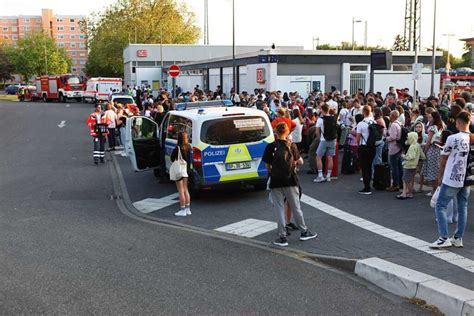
(395, 151)
(454, 168)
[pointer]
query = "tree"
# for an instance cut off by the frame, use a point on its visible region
(348, 46)
(6, 67)
(36, 53)
(139, 21)
(400, 43)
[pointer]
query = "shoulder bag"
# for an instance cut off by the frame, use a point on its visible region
(178, 169)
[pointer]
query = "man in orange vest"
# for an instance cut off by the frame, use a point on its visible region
(98, 124)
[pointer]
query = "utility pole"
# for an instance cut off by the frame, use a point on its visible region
(433, 53)
(448, 62)
(206, 22)
(365, 34)
(354, 21)
(317, 43)
(233, 47)
(416, 42)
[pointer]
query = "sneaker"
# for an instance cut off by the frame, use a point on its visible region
(328, 179)
(291, 226)
(180, 213)
(188, 211)
(429, 194)
(365, 191)
(441, 243)
(456, 242)
(282, 242)
(319, 180)
(333, 178)
(307, 235)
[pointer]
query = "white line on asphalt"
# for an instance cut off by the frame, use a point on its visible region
(62, 124)
(151, 205)
(460, 261)
(68, 105)
(248, 228)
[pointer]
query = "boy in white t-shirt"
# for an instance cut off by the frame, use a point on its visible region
(453, 168)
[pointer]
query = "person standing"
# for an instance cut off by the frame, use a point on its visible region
(367, 152)
(326, 130)
(395, 152)
(281, 158)
(98, 125)
(112, 118)
(453, 170)
(432, 151)
(182, 184)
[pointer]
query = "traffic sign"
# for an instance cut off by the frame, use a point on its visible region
(416, 71)
(174, 71)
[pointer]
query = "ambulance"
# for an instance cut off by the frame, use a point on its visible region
(99, 88)
(227, 143)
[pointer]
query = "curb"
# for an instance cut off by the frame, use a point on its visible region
(451, 299)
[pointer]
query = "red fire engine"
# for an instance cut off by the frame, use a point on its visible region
(60, 87)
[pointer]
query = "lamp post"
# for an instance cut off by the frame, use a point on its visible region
(433, 53)
(317, 43)
(448, 63)
(365, 34)
(354, 21)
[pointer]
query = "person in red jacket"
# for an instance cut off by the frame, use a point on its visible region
(98, 125)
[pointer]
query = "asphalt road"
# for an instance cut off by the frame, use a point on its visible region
(65, 248)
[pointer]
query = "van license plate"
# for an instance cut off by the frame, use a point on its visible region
(237, 165)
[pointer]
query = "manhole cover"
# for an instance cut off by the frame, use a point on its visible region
(69, 195)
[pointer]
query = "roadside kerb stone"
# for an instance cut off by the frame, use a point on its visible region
(451, 299)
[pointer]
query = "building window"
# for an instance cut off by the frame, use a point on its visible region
(60, 28)
(82, 54)
(73, 53)
(74, 69)
(27, 20)
(5, 29)
(14, 29)
(82, 62)
(82, 36)
(72, 28)
(59, 20)
(82, 45)
(73, 45)
(359, 67)
(71, 20)
(14, 37)
(26, 28)
(73, 36)
(60, 36)
(5, 37)
(61, 44)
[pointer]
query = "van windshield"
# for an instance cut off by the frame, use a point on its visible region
(234, 130)
(124, 100)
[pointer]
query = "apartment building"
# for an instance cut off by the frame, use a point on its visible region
(64, 29)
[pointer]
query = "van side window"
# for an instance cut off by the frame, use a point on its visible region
(178, 124)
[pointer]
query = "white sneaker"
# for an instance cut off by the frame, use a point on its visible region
(328, 179)
(188, 211)
(441, 243)
(457, 242)
(319, 180)
(181, 213)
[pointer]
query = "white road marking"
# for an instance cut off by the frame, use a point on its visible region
(248, 228)
(418, 244)
(151, 205)
(62, 124)
(68, 105)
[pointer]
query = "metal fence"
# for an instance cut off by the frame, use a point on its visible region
(357, 82)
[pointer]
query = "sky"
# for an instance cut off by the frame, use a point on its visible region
(297, 22)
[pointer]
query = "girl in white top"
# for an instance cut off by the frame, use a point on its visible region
(297, 133)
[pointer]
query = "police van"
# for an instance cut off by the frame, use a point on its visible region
(227, 143)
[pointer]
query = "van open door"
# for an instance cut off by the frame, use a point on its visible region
(141, 143)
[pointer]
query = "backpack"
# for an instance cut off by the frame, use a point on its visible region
(375, 134)
(283, 162)
(403, 137)
(469, 179)
(330, 128)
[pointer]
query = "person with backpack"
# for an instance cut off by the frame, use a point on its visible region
(456, 172)
(366, 139)
(326, 130)
(395, 151)
(281, 158)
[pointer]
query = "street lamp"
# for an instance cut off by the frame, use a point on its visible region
(317, 42)
(354, 21)
(433, 53)
(448, 64)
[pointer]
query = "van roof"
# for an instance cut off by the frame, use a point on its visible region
(217, 112)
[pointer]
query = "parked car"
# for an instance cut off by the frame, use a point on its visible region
(465, 71)
(12, 89)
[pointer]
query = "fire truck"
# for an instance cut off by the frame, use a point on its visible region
(100, 88)
(60, 87)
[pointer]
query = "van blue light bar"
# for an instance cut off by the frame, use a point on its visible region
(205, 104)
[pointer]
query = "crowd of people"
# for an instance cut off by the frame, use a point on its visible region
(389, 138)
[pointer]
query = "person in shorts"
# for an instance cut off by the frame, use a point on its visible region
(326, 130)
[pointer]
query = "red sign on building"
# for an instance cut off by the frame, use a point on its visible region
(142, 53)
(260, 75)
